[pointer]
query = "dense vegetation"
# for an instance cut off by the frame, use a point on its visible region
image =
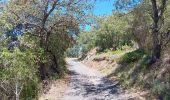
(34, 37)
(109, 32)
(144, 26)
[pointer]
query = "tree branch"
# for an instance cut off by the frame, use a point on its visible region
(155, 11)
(162, 8)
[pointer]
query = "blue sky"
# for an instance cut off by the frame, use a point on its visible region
(103, 7)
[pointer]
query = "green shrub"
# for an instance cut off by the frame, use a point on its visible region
(113, 40)
(132, 56)
(30, 90)
(145, 61)
(19, 72)
(117, 52)
(161, 90)
(75, 51)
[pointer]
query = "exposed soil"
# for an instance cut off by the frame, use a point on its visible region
(54, 90)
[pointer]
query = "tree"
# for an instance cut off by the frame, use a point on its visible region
(54, 22)
(108, 32)
(157, 11)
(139, 26)
(49, 27)
(157, 15)
(111, 32)
(16, 73)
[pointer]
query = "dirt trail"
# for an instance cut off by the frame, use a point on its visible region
(54, 90)
(88, 84)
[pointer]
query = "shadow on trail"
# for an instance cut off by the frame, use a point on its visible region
(88, 84)
(82, 85)
(101, 88)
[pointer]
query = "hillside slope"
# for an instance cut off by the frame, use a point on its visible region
(134, 75)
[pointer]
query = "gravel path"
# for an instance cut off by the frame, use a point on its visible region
(88, 84)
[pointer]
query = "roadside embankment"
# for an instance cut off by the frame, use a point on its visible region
(132, 71)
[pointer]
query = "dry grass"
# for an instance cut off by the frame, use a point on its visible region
(55, 90)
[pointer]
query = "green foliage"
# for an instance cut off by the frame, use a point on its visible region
(18, 63)
(145, 61)
(30, 90)
(132, 56)
(19, 68)
(113, 52)
(105, 41)
(74, 51)
(117, 52)
(41, 51)
(85, 42)
(111, 32)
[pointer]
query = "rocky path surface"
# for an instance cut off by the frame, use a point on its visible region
(88, 84)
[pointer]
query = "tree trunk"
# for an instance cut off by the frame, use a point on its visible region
(55, 67)
(42, 71)
(56, 64)
(156, 47)
(156, 50)
(16, 90)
